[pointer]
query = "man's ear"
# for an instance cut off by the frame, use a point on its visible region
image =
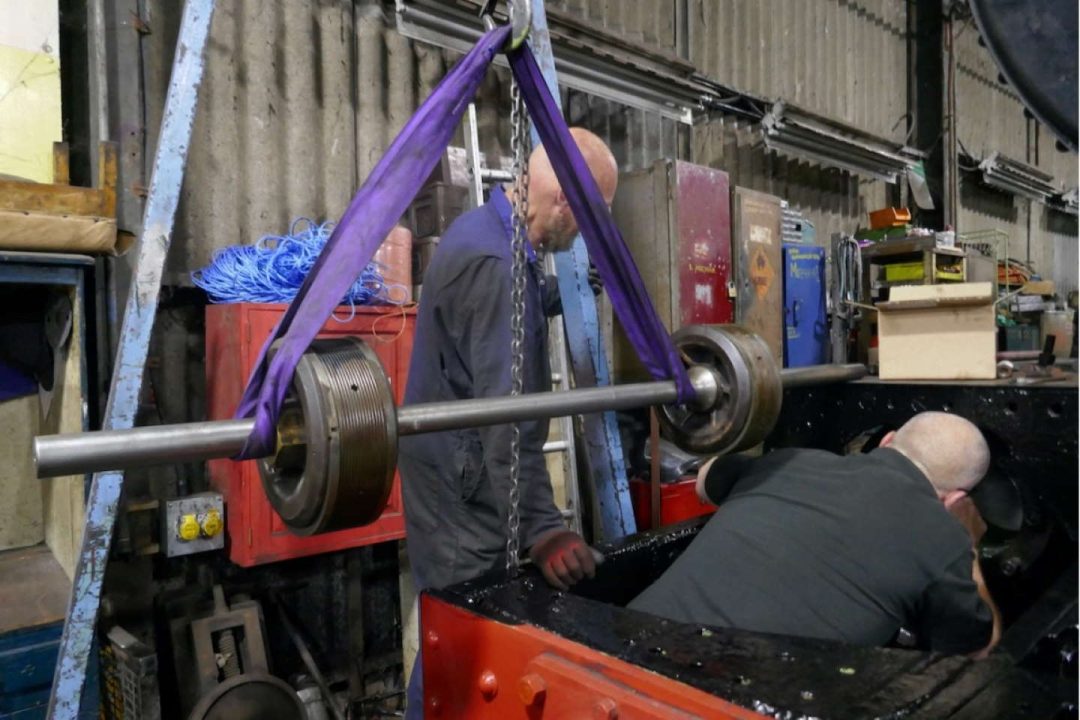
(886, 441)
(560, 199)
(952, 497)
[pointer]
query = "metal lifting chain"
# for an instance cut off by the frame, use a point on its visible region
(519, 120)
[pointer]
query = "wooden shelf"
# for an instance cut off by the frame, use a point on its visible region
(33, 588)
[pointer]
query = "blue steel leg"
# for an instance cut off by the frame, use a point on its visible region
(584, 342)
(165, 183)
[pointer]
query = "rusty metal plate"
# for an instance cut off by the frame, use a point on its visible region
(757, 257)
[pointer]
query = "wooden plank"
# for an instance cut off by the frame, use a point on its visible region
(901, 305)
(61, 164)
(41, 197)
(61, 198)
(39, 232)
(33, 588)
(107, 162)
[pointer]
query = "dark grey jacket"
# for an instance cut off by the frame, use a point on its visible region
(456, 484)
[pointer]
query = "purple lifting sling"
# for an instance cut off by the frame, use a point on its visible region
(385, 196)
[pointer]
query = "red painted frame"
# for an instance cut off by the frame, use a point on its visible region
(235, 333)
(477, 668)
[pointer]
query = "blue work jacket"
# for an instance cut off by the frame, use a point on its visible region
(456, 484)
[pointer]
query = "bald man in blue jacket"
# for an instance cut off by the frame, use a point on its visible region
(456, 484)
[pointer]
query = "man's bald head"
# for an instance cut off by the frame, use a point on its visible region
(551, 222)
(947, 448)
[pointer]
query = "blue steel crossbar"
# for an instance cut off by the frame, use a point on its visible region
(587, 356)
(127, 379)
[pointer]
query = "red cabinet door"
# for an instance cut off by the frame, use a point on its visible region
(235, 333)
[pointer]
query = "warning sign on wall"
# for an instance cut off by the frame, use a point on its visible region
(761, 272)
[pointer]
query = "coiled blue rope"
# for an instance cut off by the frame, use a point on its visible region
(272, 270)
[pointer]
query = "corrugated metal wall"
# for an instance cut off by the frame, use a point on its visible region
(990, 118)
(843, 59)
(301, 99)
(646, 22)
(835, 201)
(989, 115)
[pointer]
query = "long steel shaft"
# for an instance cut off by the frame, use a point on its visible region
(78, 453)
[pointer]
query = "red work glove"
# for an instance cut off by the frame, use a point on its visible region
(563, 558)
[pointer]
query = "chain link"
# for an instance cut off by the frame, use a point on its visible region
(519, 120)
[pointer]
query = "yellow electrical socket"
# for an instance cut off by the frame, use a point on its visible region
(188, 528)
(211, 524)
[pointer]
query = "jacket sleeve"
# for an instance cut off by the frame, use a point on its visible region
(486, 347)
(952, 617)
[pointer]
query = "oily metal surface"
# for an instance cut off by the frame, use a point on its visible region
(776, 676)
(337, 441)
(748, 401)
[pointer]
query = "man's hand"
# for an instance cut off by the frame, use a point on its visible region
(965, 511)
(563, 558)
(595, 283)
(984, 593)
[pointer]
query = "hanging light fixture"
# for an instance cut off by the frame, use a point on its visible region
(791, 131)
(1012, 176)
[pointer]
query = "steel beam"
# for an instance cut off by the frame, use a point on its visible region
(165, 184)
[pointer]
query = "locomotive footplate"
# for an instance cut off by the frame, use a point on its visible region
(516, 648)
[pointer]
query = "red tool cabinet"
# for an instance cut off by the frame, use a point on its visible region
(235, 333)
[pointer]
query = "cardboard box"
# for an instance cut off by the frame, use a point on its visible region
(938, 332)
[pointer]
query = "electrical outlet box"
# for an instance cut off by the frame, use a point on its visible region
(194, 524)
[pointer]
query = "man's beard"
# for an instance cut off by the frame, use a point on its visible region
(561, 236)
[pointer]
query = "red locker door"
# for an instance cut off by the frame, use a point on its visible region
(234, 336)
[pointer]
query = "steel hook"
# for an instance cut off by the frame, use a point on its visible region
(520, 13)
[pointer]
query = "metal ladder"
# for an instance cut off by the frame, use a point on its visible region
(479, 178)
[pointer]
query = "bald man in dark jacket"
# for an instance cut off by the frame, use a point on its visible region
(456, 484)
